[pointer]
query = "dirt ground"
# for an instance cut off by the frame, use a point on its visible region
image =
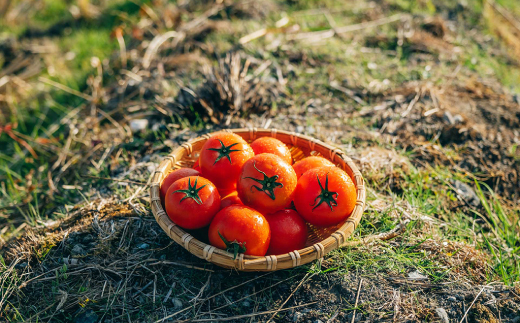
(402, 97)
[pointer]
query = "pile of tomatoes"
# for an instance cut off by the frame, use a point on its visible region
(251, 199)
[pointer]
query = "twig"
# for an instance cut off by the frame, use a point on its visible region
(114, 179)
(164, 262)
(472, 304)
(357, 299)
(398, 230)
(335, 85)
(288, 298)
(65, 88)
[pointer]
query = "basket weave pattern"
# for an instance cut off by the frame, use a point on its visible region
(320, 240)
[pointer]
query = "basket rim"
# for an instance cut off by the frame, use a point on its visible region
(292, 259)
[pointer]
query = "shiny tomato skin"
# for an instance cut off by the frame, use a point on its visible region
(230, 199)
(272, 146)
(314, 203)
(189, 214)
(288, 232)
(307, 163)
(244, 225)
(250, 191)
(222, 157)
(173, 176)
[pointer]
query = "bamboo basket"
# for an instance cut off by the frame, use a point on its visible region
(320, 240)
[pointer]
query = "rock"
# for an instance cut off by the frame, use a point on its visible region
(451, 299)
(297, 316)
(467, 194)
(310, 130)
(137, 125)
(246, 304)
(177, 303)
(516, 319)
(300, 129)
(89, 316)
(78, 250)
(458, 119)
(448, 118)
(318, 321)
(21, 265)
(416, 275)
(143, 246)
(441, 313)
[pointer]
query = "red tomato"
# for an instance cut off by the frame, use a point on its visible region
(288, 232)
(307, 163)
(240, 229)
(325, 196)
(172, 177)
(272, 146)
(225, 192)
(222, 157)
(196, 165)
(230, 199)
(192, 202)
(266, 183)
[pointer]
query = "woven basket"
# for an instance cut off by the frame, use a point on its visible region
(320, 240)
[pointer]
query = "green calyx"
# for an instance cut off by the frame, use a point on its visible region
(224, 151)
(192, 192)
(234, 247)
(268, 183)
(325, 196)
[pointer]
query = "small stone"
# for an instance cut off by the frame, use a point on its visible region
(311, 130)
(21, 265)
(297, 316)
(441, 313)
(89, 316)
(451, 299)
(300, 129)
(177, 303)
(416, 275)
(318, 321)
(246, 304)
(143, 246)
(458, 119)
(467, 194)
(137, 125)
(78, 250)
(448, 118)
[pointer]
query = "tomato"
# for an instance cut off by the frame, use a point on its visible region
(288, 232)
(230, 199)
(272, 146)
(172, 177)
(225, 191)
(240, 229)
(266, 183)
(222, 157)
(196, 165)
(307, 163)
(325, 196)
(192, 202)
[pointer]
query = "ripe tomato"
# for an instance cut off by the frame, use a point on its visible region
(172, 177)
(196, 165)
(222, 157)
(288, 232)
(240, 229)
(266, 183)
(272, 146)
(325, 196)
(192, 202)
(230, 199)
(307, 163)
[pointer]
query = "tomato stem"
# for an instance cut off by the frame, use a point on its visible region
(224, 151)
(325, 195)
(234, 247)
(268, 183)
(192, 191)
